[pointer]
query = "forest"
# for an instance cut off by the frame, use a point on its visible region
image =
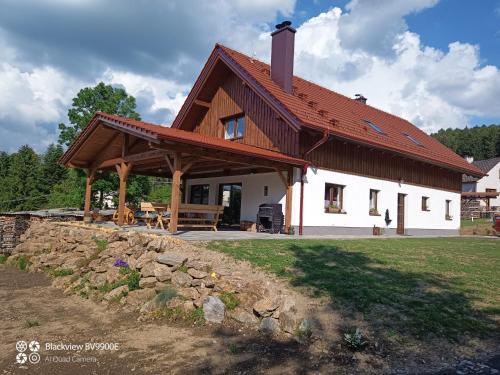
(30, 181)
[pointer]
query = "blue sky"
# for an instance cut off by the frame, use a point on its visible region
(433, 62)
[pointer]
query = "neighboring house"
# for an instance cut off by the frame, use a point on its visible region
(251, 133)
(490, 183)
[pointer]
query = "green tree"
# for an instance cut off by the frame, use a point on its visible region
(89, 100)
(22, 181)
(51, 172)
(68, 193)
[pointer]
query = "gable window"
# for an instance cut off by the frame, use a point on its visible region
(375, 127)
(374, 202)
(425, 204)
(447, 209)
(334, 195)
(413, 139)
(199, 194)
(234, 127)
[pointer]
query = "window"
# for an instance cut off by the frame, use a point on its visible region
(375, 127)
(374, 202)
(199, 194)
(413, 139)
(425, 204)
(491, 190)
(334, 198)
(447, 210)
(266, 191)
(234, 127)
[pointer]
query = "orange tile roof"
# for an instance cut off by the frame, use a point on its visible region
(182, 136)
(317, 107)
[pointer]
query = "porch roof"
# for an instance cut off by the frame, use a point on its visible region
(102, 145)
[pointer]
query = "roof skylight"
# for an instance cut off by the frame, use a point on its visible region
(413, 139)
(375, 127)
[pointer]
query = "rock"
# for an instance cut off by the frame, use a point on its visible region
(74, 263)
(113, 274)
(200, 266)
(171, 259)
(156, 245)
(289, 321)
(197, 274)
(62, 282)
(159, 286)
(139, 296)
(116, 293)
(265, 307)
(162, 272)
(147, 282)
(144, 259)
(213, 309)
(181, 279)
(148, 270)
(242, 316)
(188, 293)
(269, 325)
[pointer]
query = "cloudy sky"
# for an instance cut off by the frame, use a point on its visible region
(433, 62)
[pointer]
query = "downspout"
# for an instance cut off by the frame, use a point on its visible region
(303, 173)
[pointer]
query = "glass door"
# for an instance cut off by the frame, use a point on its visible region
(230, 198)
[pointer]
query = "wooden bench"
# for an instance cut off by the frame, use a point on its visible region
(197, 216)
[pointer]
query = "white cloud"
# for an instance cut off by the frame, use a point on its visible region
(433, 89)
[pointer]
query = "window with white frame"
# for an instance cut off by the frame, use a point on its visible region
(448, 210)
(425, 204)
(234, 127)
(374, 201)
(334, 196)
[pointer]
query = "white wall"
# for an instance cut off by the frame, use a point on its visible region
(356, 203)
(492, 181)
(252, 192)
(356, 200)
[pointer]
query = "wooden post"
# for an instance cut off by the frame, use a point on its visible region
(289, 195)
(88, 191)
(123, 170)
(174, 203)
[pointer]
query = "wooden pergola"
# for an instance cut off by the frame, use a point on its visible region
(113, 143)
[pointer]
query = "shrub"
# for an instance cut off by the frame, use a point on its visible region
(60, 272)
(101, 244)
(183, 268)
(193, 317)
(355, 339)
(22, 263)
(165, 295)
(230, 300)
(3, 258)
(32, 323)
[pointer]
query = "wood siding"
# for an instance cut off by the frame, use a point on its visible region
(356, 159)
(262, 127)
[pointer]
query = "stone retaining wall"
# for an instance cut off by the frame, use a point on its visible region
(150, 273)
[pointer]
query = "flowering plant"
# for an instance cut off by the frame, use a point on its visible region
(120, 263)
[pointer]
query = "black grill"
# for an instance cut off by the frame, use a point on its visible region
(270, 218)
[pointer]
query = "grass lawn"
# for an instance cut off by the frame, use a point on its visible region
(446, 286)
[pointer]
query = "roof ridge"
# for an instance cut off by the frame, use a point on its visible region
(319, 86)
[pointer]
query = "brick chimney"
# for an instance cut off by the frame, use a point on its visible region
(283, 40)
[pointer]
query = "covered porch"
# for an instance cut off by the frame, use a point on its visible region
(115, 144)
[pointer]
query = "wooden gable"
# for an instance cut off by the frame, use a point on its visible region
(226, 95)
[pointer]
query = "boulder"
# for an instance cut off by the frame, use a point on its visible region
(269, 325)
(289, 321)
(265, 307)
(213, 309)
(162, 272)
(148, 270)
(188, 293)
(113, 274)
(196, 274)
(139, 296)
(147, 282)
(242, 316)
(171, 259)
(156, 245)
(181, 279)
(117, 293)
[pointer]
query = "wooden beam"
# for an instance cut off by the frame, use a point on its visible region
(125, 144)
(282, 177)
(176, 182)
(288, 203)
(123, 170)
(202, 103)
(186, 167)
(170, 165)
(88, 191)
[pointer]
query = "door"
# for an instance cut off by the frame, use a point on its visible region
(401, 214)
(230, 198)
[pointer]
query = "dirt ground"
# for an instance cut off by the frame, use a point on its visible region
(28, 299)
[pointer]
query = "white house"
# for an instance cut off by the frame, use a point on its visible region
(250, 133)
(490, 183)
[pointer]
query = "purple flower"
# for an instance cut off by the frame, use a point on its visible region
(120, 263)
